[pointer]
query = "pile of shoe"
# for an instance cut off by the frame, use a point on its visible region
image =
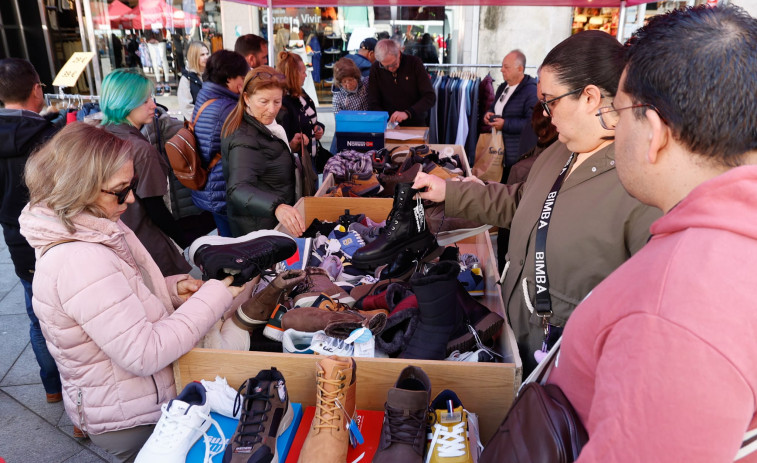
(353, 172)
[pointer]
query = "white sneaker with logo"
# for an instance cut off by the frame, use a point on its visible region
(297, 342)
(326, 345)
(185, 419)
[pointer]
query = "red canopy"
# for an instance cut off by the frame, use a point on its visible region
(115, 11)
(309, 3)
(159, 15)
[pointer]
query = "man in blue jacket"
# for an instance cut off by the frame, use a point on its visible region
(22, 130)
(513, 105)
(365, 56)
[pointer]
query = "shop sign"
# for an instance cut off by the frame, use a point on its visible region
(73, 68)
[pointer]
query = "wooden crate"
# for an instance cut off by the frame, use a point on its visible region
(421, 132)
(486, 389)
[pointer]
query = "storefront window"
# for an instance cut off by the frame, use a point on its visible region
(323, 35)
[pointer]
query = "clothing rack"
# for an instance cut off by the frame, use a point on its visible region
(71, 98)
(445, 65)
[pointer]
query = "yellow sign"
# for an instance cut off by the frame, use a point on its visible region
(73, 68)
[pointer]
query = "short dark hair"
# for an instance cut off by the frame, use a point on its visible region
(224, 65)
(587, 58)
(249, 44)
(17, 80)
(697, 67)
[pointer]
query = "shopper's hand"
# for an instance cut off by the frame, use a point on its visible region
(234, 290)
(185, 288)
(297, 141)
(318, 132)
(290, 218)
(436, 188)
(398, 116)
(498, 123)
(487, 117)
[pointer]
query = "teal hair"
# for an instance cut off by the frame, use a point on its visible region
(122, 91)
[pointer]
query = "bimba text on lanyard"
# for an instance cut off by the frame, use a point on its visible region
(543, 305)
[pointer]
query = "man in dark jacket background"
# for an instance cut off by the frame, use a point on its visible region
(22, 130)
(400, 85)
(513, 105)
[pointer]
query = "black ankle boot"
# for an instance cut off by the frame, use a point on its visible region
(405, 229)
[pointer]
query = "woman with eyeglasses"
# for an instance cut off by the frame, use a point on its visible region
(571, 223)
(127, 104)
(263, 176)
(113, 322)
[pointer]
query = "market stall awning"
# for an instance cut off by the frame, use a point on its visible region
(156, 14)
(115, 11)
(416, 3)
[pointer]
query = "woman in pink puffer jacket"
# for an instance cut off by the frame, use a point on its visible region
(112, 322)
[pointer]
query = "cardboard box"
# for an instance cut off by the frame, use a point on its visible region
(361, 121)
(359, 141)
(487, 389)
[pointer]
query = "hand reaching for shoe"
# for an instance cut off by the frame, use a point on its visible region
(185, 288)
(290, 218)
(435, 187)
(234, 290)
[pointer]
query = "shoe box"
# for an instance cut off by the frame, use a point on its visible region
(359, 141)
(486, 389)
(360, 130)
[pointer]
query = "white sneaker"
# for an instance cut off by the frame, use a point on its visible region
(297, 342)
(220, 396)
(326, 345)
(185, 419)
(480, 355)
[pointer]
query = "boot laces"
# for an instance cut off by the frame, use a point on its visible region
(404, 426)
(251, 421)
(327, 411)
(447, 442)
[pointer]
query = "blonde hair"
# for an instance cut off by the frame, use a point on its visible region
(289, 65)
(67, 173)
(193, 56)
(260, 78)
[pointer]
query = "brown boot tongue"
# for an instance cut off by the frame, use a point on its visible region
(403, 399)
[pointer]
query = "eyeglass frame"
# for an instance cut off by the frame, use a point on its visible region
(545, 103)
(123, 194)
(611, 109)
(396, 66)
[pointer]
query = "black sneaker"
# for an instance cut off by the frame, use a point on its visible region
(266, 414)
(244, 257)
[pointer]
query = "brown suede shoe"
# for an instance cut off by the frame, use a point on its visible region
(257, 310)
(54, 398)
(78, 433)
(312, 319)
(328, 438)
(317, 281)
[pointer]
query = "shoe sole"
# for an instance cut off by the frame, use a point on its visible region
(418, 244)
(486, 328)
(273, 333)
(286, 422)
(220, 240)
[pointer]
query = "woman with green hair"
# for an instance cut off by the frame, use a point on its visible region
(127, 104)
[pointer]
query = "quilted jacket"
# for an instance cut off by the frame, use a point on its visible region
(112, 322)
(208, 132)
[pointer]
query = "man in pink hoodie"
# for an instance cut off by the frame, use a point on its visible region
(660, 360)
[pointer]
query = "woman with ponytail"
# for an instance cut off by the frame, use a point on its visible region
(263, 178)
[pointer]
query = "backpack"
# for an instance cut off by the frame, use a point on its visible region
(184, 158)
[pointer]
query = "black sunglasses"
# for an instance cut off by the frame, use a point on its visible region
(123, 194)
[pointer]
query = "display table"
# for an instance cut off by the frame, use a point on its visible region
(407, 136)
(486, 389)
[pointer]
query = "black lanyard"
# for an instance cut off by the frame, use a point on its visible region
(543, 304)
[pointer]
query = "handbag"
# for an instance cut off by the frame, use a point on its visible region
(541, 425)
(490, 156)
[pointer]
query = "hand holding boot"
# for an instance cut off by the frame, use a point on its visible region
(435, 187)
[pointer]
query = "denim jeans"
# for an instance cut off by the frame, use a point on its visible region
(222, 222)
(48, 371)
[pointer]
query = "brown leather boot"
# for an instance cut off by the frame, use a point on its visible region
(257, 310)
(328, 437)
(318, 281)
(327, 312)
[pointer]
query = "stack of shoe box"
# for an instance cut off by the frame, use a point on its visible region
(485, 388)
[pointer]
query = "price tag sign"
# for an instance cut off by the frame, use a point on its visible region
(73, 68)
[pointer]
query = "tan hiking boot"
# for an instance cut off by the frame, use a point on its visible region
(328, 437)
